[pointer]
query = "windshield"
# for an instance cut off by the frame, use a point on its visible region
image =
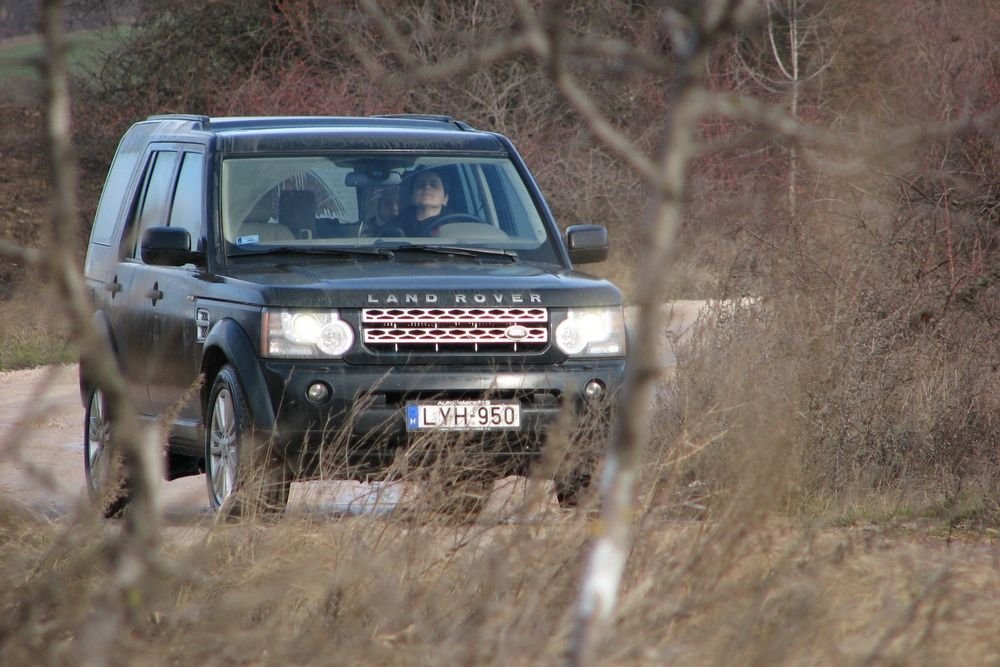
(352, 201)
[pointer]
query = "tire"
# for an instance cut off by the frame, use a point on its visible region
(572, 488)
(98, 465)
(574, 477)
(243, 476)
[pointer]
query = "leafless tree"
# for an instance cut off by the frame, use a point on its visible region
(794, 28)
(694, 32)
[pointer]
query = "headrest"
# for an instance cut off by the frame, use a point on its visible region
(297, 207)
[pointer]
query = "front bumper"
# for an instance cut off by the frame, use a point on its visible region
(365, 411)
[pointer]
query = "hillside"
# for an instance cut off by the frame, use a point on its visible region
(24, 183)
(20, 17)
(25, 186)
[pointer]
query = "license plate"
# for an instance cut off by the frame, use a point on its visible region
(463, 416)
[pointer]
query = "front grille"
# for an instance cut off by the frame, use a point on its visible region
(455, 330)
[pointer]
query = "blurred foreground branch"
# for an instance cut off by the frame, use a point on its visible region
(30, 256)
(130, 556)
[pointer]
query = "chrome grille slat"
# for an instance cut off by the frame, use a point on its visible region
(398, 316)
(476, 330)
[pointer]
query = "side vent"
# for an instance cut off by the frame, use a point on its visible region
(201, 325)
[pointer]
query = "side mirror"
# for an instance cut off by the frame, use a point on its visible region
(168, 246)
(587, 244)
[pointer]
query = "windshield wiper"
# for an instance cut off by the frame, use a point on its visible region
(385, 253)
(458, 251)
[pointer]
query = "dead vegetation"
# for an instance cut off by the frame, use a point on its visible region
(821, 485)
(717, 575)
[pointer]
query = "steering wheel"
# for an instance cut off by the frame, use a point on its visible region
(380, 231)
(451, 217)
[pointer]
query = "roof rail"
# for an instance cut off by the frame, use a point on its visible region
(194, 118)
(441, 118)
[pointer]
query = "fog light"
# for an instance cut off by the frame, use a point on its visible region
(318, 392)
(594, 390)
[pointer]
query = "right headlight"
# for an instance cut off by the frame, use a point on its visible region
(305, 334)
(592, 332)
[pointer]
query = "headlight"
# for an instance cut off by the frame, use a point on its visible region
(308, 334)
(592, 332)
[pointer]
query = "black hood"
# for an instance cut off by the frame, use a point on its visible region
(378, 282)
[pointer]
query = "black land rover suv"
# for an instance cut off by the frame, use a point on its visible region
(339, 285)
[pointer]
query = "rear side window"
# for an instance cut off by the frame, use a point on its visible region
(117, 184)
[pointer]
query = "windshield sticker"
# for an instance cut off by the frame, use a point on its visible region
(248, 240)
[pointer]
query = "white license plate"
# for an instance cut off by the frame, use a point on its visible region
(463, 416)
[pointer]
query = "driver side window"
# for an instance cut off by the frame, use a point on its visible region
(186, 210)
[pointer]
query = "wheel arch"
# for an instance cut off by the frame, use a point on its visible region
(105, 332)
(228, 344)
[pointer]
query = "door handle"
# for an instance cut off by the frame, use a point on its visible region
(154, 294)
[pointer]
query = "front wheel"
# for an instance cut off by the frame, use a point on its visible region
(106, 483)
(242, 475)
(573, 487)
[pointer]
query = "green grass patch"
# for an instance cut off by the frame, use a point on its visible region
(19, 56)
(32, 332)
(968, 511)
(31, 351)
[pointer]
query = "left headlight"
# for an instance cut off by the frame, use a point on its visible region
(592, 332)
(304, 334)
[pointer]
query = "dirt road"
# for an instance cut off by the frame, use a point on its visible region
(41, 445)
(41, 460)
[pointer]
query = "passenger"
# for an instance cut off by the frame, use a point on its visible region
(428, 204)
(386, 207)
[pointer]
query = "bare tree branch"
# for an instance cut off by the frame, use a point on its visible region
(776, 54)
(533, 41)
(615, 140)
(131, 556)
(597, 45)
(388, 28)
(778, 121)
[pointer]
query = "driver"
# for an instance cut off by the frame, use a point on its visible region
(428, 204)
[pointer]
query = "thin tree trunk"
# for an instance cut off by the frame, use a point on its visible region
(793, 158)
(630, 430)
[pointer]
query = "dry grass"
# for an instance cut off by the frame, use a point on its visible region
(743, 588)
(726, 569)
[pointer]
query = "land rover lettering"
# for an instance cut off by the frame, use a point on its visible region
(451, 299)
